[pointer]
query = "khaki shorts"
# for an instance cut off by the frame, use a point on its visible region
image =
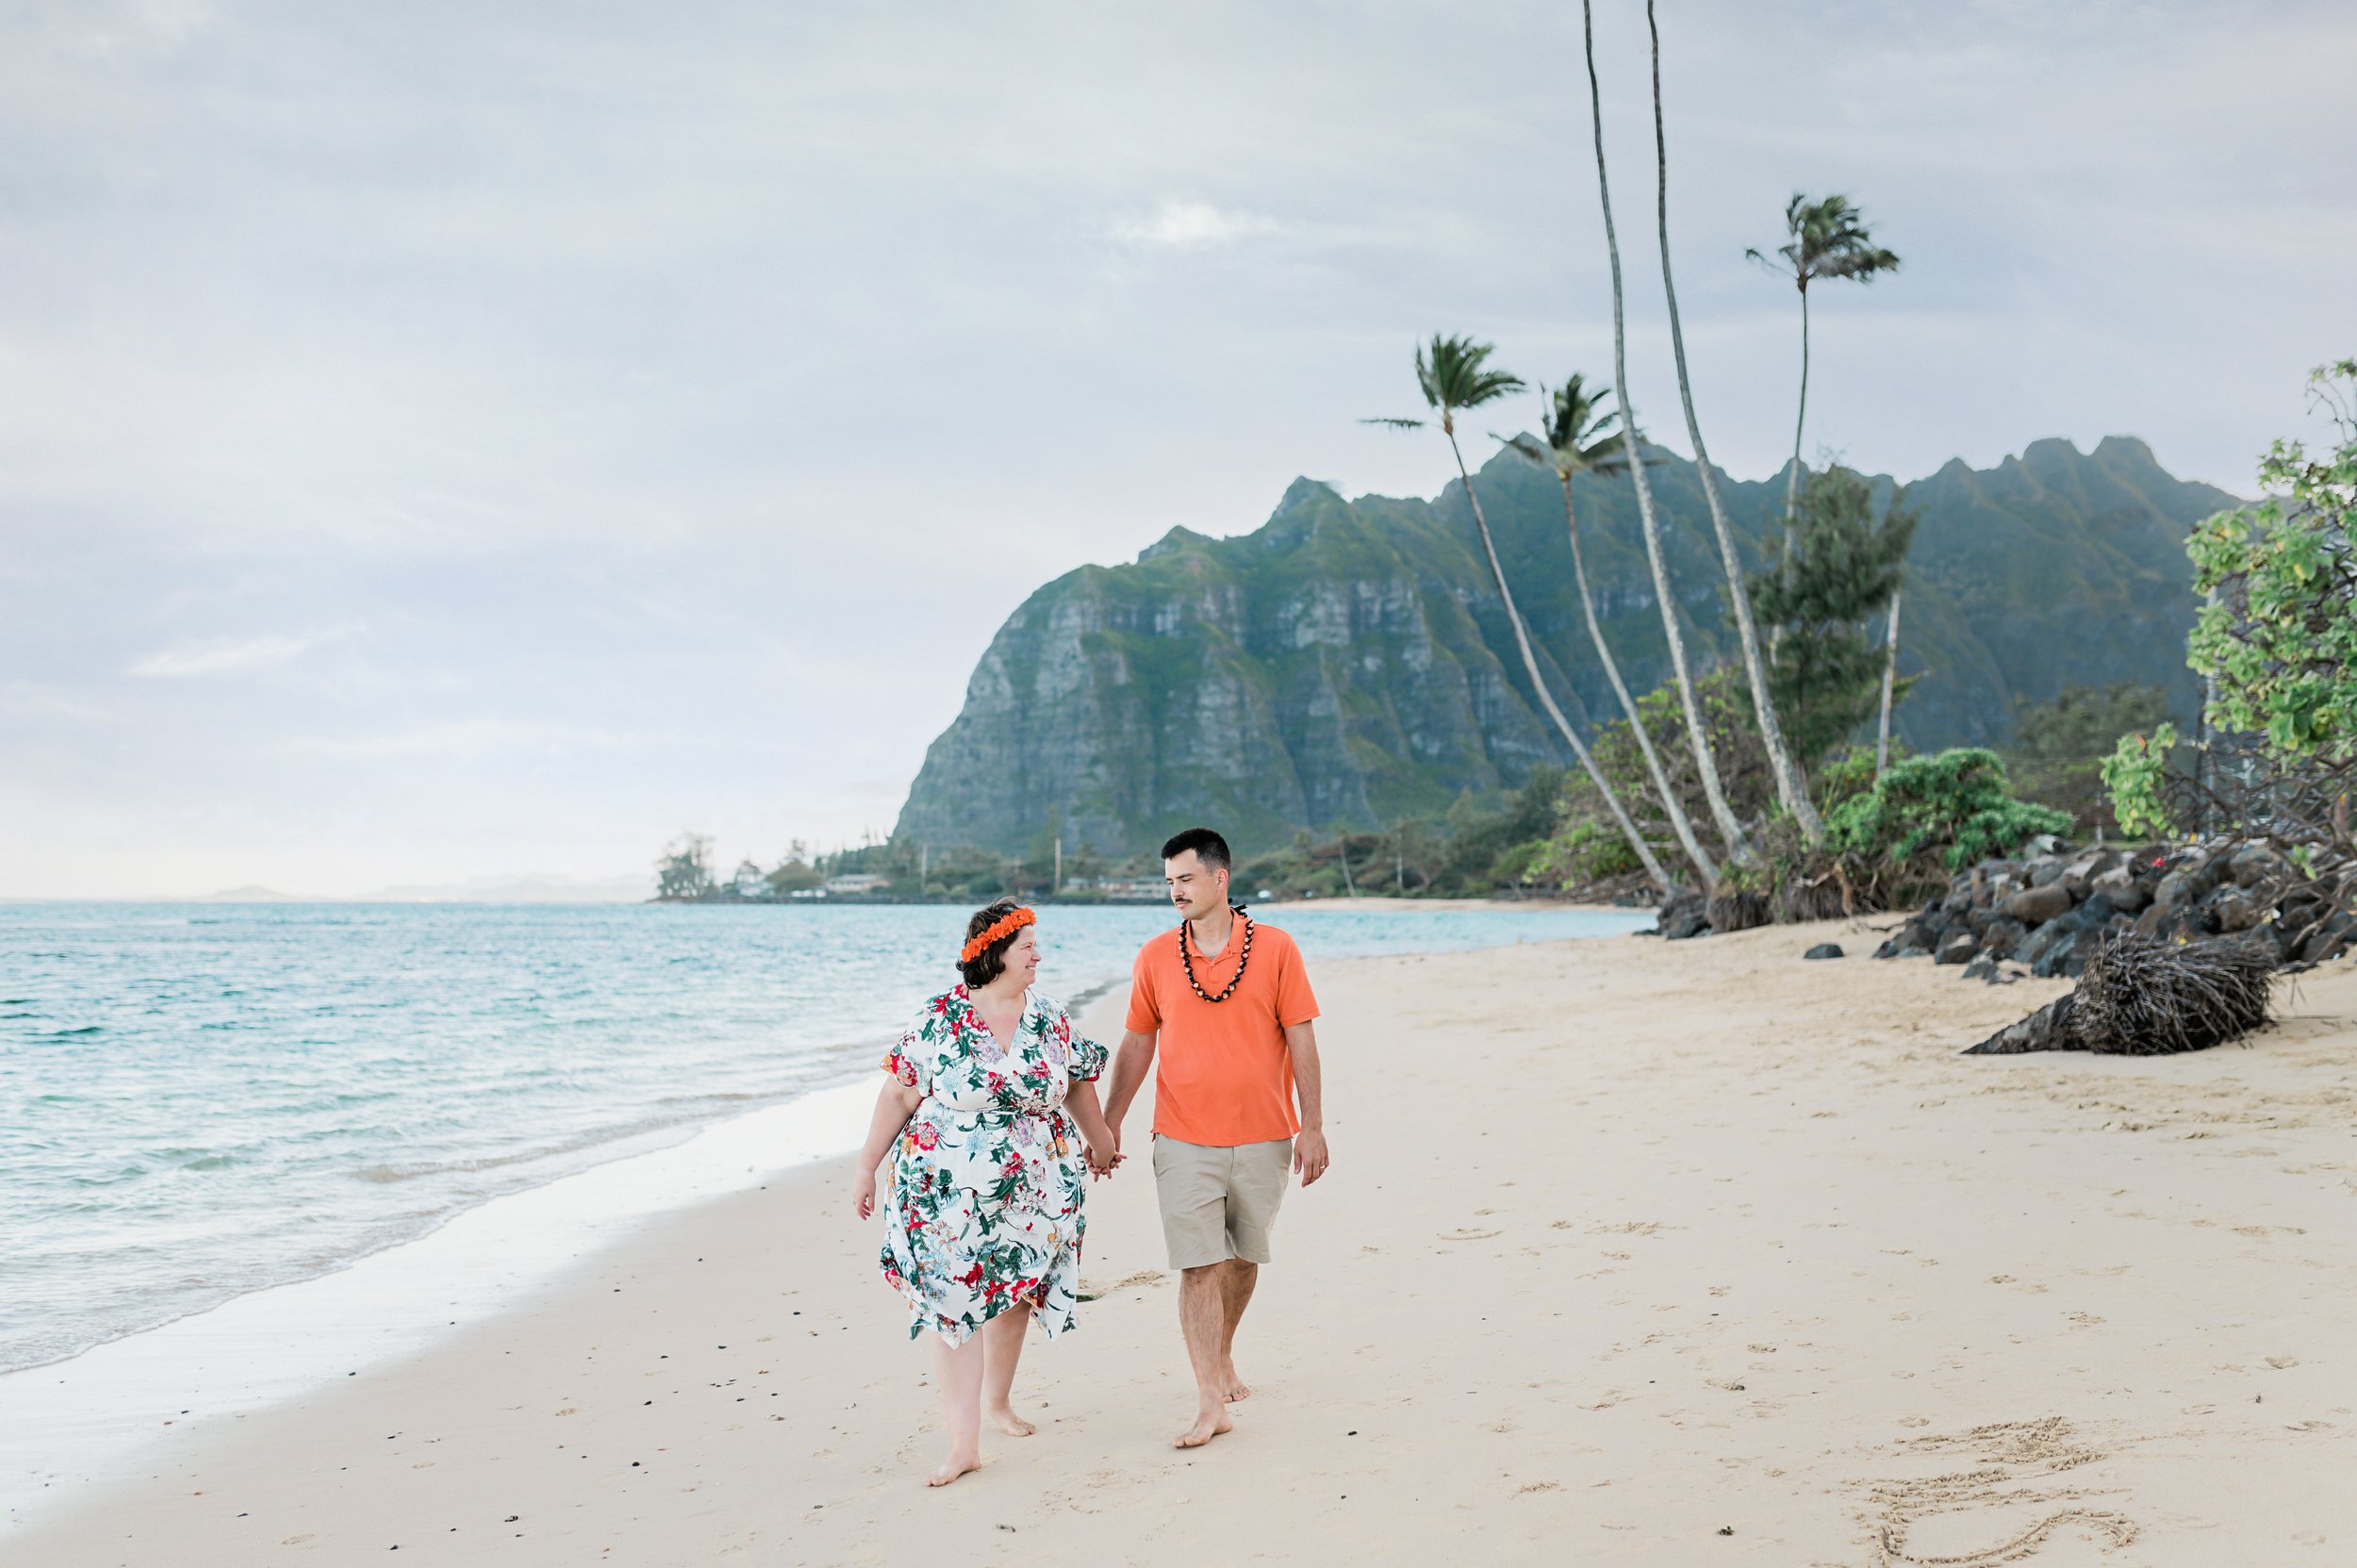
(1219, 1203)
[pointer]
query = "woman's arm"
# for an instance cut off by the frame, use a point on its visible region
(894, 1104)
(1080, 1100)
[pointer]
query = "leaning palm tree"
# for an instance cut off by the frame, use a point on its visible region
(1890, 681)
(1578, 439)
(1829, 239)
(1792, 785)
(1714, 794)
(1454, 376)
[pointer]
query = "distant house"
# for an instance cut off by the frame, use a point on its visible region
(1133, 888)
(855, 881)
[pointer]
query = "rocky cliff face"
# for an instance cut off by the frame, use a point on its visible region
(1349, 663)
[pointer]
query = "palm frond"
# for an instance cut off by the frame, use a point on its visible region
(1829, 239)
(1530, 446)
(1454, 375)
(1396, 423)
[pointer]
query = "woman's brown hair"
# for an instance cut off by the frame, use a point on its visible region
(991, 961)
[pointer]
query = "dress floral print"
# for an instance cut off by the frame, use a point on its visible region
(988, 1176)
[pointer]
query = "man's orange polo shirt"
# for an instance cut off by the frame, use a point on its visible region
(1222, 1074)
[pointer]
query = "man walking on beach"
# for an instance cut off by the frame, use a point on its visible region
(1225, 1005)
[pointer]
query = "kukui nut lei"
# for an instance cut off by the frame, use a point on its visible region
(1186, 960)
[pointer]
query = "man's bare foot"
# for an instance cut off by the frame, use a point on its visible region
(1009, 1423)
(1232, 1388)
(1208, 1424)
(958, 1465)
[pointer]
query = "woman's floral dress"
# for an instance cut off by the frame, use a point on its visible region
(989, 1176)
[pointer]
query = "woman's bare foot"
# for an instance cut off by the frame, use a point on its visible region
(958, 1465)
(1208, 1424)
(1009, 1423)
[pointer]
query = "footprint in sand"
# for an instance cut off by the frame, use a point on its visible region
(1469, 1235)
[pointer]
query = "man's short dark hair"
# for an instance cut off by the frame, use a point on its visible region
(1208, 845)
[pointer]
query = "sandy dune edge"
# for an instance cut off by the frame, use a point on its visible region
(1627, 1244)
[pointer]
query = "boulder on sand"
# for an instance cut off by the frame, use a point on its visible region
(2003, 935)
(1825, 950)
(2035, 906)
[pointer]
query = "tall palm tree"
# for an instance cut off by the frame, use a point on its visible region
(1792, 785)
(1713, 792)
(1829, 239)
(1453, 378)
(1579, 438)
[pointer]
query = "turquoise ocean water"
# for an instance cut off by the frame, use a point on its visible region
(200, 1100)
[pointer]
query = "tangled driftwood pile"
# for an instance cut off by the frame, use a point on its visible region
(2142, 997)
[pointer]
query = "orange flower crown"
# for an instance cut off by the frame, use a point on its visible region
(999, 930)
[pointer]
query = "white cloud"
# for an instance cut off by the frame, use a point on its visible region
(1189, 225)
(222, 657)
(464, 738)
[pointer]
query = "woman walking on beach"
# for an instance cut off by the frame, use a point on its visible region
(984, 1227)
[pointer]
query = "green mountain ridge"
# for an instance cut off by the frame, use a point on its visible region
(1349, 662)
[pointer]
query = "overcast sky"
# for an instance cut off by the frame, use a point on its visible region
(445, 439)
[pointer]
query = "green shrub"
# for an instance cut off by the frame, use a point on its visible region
(2134, 775)
(1584, 851)
(1849, 775)
(1953, 804)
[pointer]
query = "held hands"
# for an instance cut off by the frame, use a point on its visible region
(1309, 1156)
(864, 1194)
(1102, 1160)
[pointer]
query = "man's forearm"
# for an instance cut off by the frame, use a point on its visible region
(1308, 1077)
(1128, 1077)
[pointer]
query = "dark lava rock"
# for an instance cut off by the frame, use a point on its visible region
(2254, 863)
(1692, 922)
(2234, 910)
(1825, 950)
(2045, 872)
(1912, 940)
(1683, 914)
(2003, 935)
(1985, 970)
(2035, 905)
(2059, 948)
(2121, 888)
(2329, 940)
(2174, 889)
(1958, 947)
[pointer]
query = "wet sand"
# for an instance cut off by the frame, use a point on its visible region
(1633, 1253)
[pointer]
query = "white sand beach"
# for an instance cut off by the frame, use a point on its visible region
(1632, 1253)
